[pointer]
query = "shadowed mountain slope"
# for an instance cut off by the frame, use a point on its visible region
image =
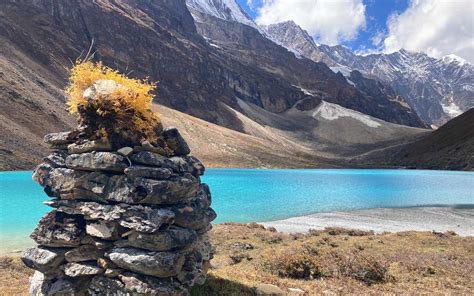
(449, 147)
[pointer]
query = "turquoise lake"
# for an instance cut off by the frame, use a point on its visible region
(244, 195)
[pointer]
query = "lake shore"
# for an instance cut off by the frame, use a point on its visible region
(440, 219)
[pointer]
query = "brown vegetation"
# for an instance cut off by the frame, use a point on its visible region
(334, 261)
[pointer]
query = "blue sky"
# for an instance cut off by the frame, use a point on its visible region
(376, 13)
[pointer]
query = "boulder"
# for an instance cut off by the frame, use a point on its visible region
(75, 269)
(158, 264)
(171, 238)
(152, 159)
(57, 229)
(175, 141)
(83, 253)
(97, 161)
(45, 260)
(148, 172)
(268, 290)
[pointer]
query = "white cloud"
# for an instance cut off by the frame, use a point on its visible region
(377, 38)
(329, 21)
(437, 27)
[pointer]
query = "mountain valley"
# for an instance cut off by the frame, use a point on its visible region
(242, 96)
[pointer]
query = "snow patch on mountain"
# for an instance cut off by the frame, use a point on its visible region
(345, 71)
(450, 58)
(305, 91)
(451, 109)
(227, 10)
(331, 112)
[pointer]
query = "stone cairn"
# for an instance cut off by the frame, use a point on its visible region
(131, 221)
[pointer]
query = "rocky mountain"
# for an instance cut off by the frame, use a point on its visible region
(437, 89)
(237, 40)
(239, 89)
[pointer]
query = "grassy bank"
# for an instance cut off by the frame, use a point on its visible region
(334, 261)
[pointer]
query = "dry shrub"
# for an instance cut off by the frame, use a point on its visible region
(309, 263)
(296, 265)
(124, 115)
(367, 269)
(350, 232)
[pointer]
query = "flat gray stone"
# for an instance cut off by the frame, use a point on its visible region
(83, 253)
(146, 285)
(57, 229)
(164, 240)
(56, 181)
(177, 189)
(89, 146)
(103, 229)
(60, 138)
(188, 164)
(40, 285)
(268, 290)
(75, 269)
(158, 264)
(101, 285)
(148, 172)
(193, 216)
(138, 217)
(125, 151)
(97, 161)
(152, 159)
(43, 259)
(57, 159)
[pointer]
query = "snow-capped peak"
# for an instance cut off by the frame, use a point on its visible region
(454, 58)
(227, 10)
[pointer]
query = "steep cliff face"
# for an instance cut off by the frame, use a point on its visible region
(155, 39)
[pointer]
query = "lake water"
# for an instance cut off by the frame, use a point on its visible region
(245, 195)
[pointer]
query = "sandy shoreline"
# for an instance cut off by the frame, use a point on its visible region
(385, 219)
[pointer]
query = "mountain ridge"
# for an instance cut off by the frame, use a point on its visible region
(437, 89)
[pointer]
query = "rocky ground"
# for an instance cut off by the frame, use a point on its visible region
(333, 262)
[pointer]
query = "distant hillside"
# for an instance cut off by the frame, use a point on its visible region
(450, 147)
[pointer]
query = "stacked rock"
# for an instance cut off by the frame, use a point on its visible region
(132, 221)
